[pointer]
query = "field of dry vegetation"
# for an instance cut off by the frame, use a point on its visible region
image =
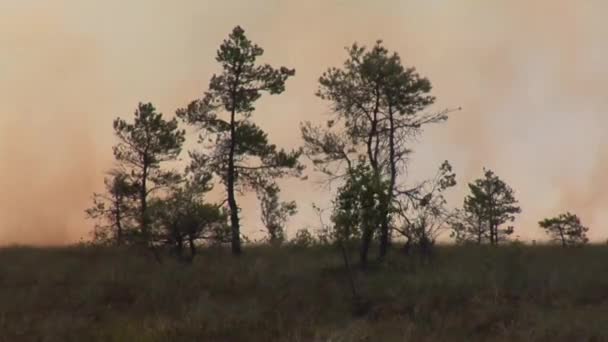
(509, 293)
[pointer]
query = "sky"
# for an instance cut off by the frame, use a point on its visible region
(530, 76)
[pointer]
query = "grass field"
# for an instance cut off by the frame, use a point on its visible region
(514, 293)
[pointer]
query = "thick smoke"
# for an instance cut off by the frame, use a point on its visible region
(530, 77)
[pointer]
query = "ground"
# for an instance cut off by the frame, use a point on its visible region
(511, 293)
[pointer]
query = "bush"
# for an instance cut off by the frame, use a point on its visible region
(303, 238)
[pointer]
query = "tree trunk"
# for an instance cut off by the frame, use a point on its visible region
(179, 246)
(118, 218)
(479, 231)
(145, 230)
(234, 215)
(372, 154)
(384, 229)
(366, 241)
(383, 238)
(192, 246)
(143, 194)
(407, 247)
(563, 238)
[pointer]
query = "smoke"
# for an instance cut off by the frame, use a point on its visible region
(530, 77)
(49, 162)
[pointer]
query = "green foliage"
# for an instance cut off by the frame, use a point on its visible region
(491, 204)
(274, 214)
(422, 213)
(371, 86)
(182, 216)
(113, 210)
(238, 151)
(303, 238)
(143, 146)
(566, 228)
(469, 228)
(147, 142)
(378, 106)
(356, 208)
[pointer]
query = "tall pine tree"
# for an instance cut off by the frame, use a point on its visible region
(239, 151)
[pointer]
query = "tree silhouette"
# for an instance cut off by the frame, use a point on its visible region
(240, 154)
(377, 104)
(113, 209)
(490, 205)
(183, 215)
(423, 214)
(358, 208)
(566, 228)
(469, 227)
(274, 214)
(143, 145)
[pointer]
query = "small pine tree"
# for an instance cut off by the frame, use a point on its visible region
(274, 213)
(490, 205)
(566, 229)
(357, 208)
(143, 146)
(183, 217)
(113, 210)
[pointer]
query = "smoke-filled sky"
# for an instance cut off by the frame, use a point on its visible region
(531, 77)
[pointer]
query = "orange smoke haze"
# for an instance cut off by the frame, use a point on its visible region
(530, 77)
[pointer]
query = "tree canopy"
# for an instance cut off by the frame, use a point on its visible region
(566, 228)
(143, 145)
(237, 150)
(378, 107)
(487, 208)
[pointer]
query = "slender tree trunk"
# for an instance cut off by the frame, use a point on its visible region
(384, 232)
(372, 154)
(234, 215)
(384, 229)
(366, 241)
(351, 279)
(143, 194)
(192, 246)
(179, 242)
(563, 238)
(407, 247)
(145, 228)
(479, 231)
(118, 218)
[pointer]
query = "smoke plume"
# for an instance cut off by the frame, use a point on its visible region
(530, 77)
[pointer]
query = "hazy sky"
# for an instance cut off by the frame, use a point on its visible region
(531, 77)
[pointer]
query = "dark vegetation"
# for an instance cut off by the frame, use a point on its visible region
(467, 293)
(379, 108)
(157, 268)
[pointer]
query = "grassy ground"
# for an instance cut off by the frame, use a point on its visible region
(289, 294)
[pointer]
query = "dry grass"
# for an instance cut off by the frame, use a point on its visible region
(511, 293)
